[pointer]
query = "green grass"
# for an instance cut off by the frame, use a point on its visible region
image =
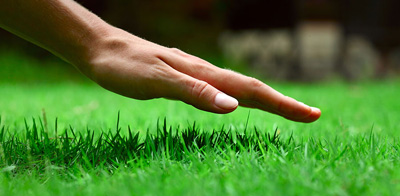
(60, 134)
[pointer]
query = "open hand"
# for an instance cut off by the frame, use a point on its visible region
(136, 68)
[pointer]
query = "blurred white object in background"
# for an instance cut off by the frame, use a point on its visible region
(359, 59)
(269, 53)
(314, 51)
(319, 45)
(394, 62)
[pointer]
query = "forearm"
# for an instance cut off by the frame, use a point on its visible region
(63, 27)
(136, 68)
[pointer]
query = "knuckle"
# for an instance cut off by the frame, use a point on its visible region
(280, 107)
(176, 50)
(199, 88)
(256, 83)
(181, 53)
(204, 68)
(255, 86)
(198, 68)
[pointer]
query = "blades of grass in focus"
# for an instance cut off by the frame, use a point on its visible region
(35, 148)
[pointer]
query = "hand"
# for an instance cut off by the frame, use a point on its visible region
(136, 68)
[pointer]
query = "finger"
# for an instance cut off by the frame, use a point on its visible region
(314, 115)
(200, 94)
(288, 108)
(249, 91)
(269, 99)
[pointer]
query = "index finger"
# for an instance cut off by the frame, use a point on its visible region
(253, 93)
(250, 92)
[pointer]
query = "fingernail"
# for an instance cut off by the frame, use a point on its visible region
(225, 102)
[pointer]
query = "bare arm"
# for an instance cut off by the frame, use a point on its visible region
(61, 26)
(136, 68)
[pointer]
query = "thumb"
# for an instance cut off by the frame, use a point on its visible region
(203, 96)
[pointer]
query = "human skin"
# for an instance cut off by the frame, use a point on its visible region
(139, 69)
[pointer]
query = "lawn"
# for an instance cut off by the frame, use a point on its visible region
(60, 134)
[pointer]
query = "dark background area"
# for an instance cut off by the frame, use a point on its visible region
(195, 25)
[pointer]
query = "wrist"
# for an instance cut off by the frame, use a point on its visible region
(87, 48)
(105, 47)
